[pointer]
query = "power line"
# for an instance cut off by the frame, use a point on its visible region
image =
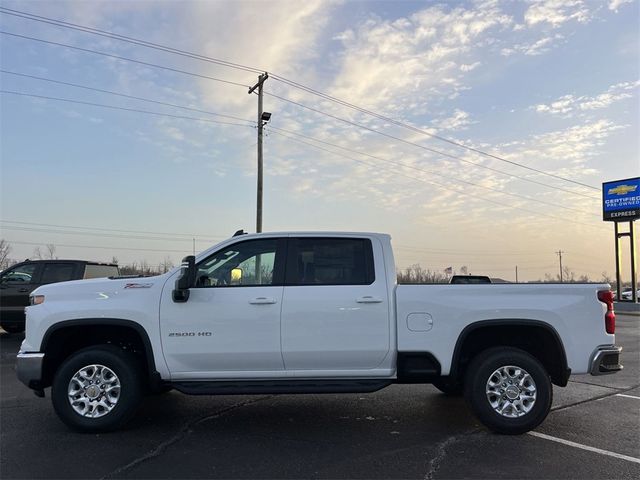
(112, 107)
(401, 164)
(287, 131)
(278, 133)
(127, 39)
(355, 124)
(102, 247)
(102, 234)
(189, 235)
(201, 238)
(445, 251)
(291, 83)
(126, 59)
(124, 95)
(274, 128)
(445, 187)
(429, 149)
(423, 132)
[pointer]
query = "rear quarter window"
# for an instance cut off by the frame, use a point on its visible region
(100, 271)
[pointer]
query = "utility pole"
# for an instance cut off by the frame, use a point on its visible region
(559, 253)
(263, 118)
(516, 273)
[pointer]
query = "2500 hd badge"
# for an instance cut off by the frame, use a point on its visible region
(190, 334)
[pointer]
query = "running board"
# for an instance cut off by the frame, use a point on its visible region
(257, 387)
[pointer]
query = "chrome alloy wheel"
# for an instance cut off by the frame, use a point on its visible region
(511, 391)
(94, 391)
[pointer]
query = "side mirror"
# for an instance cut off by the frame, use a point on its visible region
(186, 280)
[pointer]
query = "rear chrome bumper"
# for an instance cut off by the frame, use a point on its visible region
(605, 360)
(29, 369)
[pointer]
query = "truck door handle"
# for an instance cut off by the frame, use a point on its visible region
(262, 301)
(23, 290)
(369, 299)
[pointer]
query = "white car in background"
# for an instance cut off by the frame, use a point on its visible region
(628, 294)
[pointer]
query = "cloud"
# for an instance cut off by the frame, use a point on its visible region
(469, 67)
(403, 65)
(570, 105)
(537, 47)
(615, 4)
(282, 38)
(557, 12)
(564, 152)
(458, 121)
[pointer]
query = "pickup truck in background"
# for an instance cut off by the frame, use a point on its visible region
(308, 313)
(18, 281)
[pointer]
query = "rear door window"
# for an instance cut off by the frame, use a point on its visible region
(330, 261)
(57, 272)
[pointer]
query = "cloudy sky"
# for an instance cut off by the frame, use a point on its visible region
(481, 133)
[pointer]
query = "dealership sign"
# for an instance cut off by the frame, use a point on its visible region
(621, 200)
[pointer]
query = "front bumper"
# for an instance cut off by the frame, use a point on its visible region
(605, 360)
(29, 369)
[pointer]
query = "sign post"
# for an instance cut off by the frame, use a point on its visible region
(621, 204)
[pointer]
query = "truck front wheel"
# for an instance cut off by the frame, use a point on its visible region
(97, 389)
(508, 390)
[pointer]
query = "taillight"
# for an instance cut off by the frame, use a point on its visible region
(606, 297)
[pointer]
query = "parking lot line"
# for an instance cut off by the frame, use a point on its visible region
(627, 396)
(586, 447)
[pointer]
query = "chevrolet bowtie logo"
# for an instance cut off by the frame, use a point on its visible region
(622, 189)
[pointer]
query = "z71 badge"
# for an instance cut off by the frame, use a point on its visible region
(138, 285)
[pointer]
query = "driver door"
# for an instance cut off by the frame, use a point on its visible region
(230, 325)
(16, 283)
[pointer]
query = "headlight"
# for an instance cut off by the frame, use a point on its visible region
(36, 299)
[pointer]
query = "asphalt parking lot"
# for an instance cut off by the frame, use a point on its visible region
(404, 431)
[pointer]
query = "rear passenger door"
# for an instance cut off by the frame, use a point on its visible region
(335, 309)
(56, 272)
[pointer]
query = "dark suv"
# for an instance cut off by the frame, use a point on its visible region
(18, 281)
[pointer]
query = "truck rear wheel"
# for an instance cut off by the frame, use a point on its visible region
(508, 390)
(97, 389)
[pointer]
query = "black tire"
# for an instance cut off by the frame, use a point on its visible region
(477, 378)
(449, 387)
(11, 328)
(126, 368)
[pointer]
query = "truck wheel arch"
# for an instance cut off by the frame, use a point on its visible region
(508, 330)
(71, 328)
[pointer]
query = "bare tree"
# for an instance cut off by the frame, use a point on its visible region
(5, 250)
(51, 252)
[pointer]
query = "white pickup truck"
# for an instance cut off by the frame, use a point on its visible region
(307, 313)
